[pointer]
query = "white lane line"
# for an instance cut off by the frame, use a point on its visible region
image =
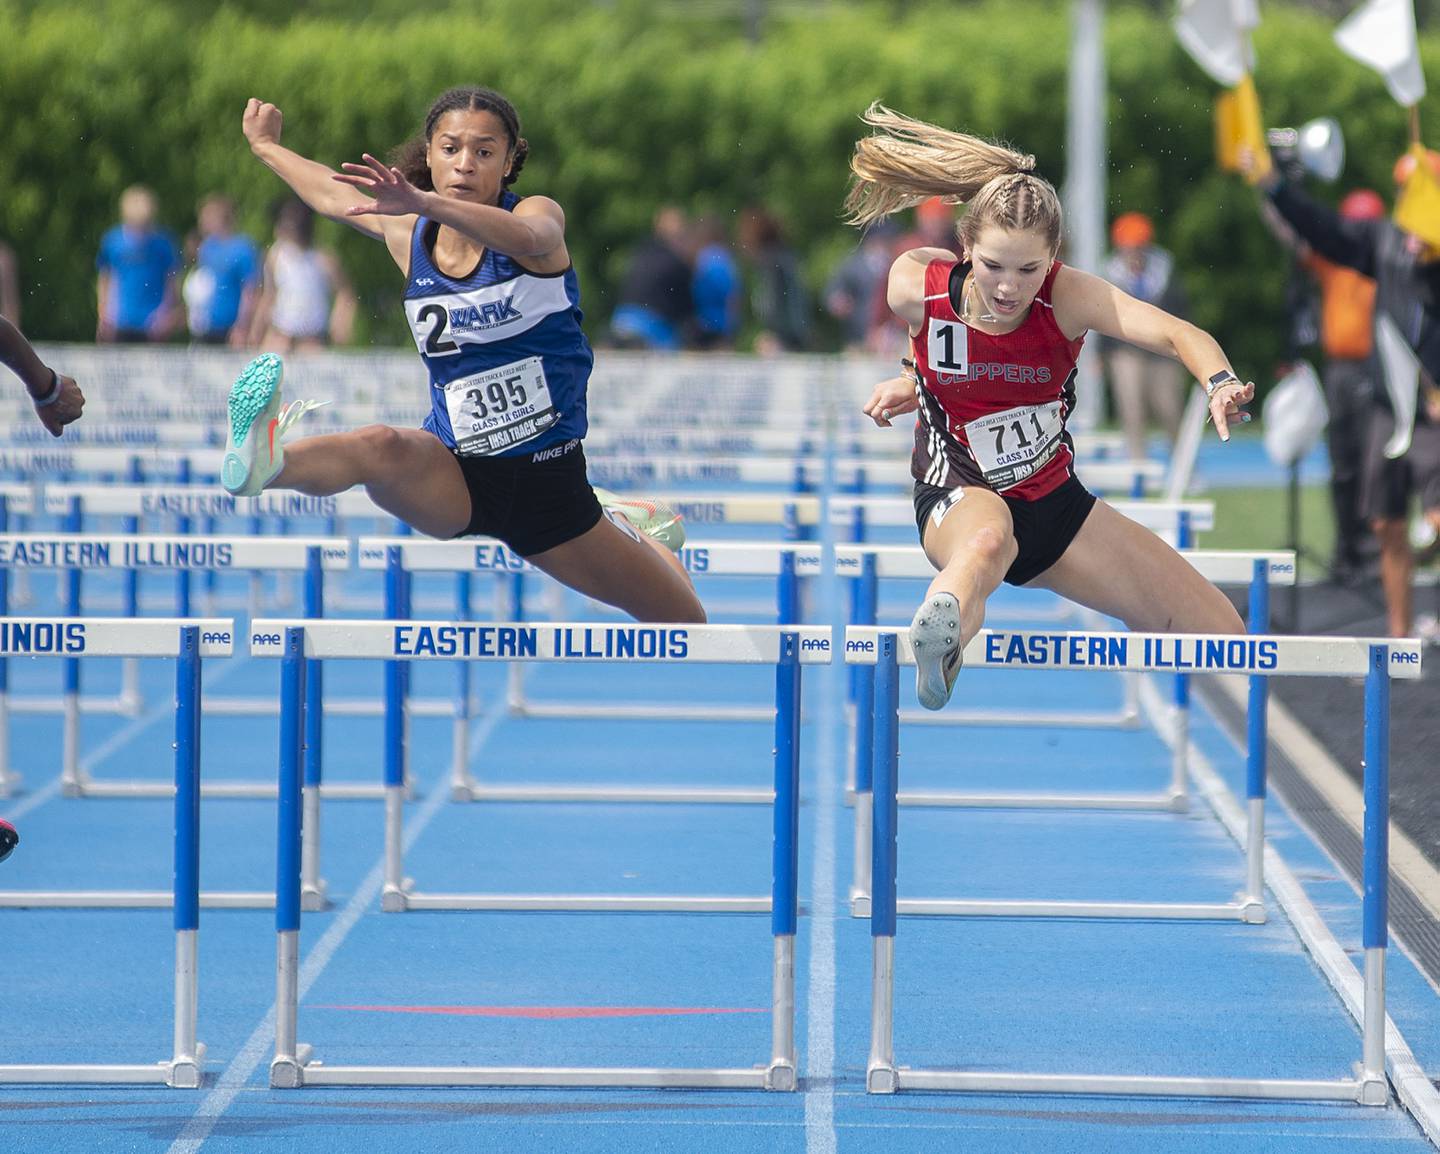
(1411, 1083)
(243, 1066)
(820, 1001)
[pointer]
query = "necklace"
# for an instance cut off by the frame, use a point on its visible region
(983, 318)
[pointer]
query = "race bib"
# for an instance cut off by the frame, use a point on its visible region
(1011, 445)
(948, 347)
(497, 409)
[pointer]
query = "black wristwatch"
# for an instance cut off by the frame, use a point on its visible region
(1218, 381)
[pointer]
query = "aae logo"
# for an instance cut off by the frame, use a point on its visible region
(1401, 657)
(853, 646)
(265, 641)
(215, 638)
(821, 644)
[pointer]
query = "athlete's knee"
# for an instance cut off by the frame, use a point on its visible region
(989, 544)
(380, 441)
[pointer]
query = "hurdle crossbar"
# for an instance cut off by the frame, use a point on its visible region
(1264, 656)
(188, 642)
(788, 649)
(785, 561)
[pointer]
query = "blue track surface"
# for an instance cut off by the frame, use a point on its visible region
(451, 988)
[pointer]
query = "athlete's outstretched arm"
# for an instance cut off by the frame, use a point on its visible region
(312, 181)
(61, 396)
(534, 232)
(1084, 303)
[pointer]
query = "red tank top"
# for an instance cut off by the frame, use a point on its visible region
(992, 409)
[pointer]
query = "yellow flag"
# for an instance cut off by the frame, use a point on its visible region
(1238, 125)
(1417, 208)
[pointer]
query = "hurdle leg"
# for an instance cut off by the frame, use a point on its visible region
(1256, 740)
(1180, 751)
(865, 753)
(881, 1073)
(785, 874)
(184, 1067)
(287, 1069)
(9, 779)
(395, 894)
(1374, 1088)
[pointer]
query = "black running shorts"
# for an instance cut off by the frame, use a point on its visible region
(1043, 528)
(531, 501)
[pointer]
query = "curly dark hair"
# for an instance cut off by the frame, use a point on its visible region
(409, 158)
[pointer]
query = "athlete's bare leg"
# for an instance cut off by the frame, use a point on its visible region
(972, 547)
(407, 472)
(640, 577)
(1123, 570)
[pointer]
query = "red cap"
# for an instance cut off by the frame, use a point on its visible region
(1131, 230)
(934, 209)
(1362, 204)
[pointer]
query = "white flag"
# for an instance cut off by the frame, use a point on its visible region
(1381, 35)
(1216, 33)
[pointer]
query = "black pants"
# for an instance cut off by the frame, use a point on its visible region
(1350, 395)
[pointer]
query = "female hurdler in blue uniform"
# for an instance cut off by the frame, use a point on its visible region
(493, 305)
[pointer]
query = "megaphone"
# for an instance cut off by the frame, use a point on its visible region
(1316, 147)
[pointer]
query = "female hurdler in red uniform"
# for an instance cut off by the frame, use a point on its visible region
(994, 339)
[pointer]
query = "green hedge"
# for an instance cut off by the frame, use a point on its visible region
(629, 105)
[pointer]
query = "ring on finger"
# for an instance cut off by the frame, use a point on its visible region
(884, 414)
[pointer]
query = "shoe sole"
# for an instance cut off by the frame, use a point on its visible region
(669, 533)
(934, 637)
(254, 399)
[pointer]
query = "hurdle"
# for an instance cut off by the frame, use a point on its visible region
(1262, 656)
(188, 640)
(788, 649)
(402, 556)
(1247, 906)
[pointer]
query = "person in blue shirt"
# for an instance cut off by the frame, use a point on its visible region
(715, 287)
(221, 288)
(137, 265)
(493, 304)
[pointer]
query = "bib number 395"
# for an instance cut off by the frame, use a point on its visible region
(499, 408)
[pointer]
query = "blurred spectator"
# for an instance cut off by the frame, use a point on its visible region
(779, 302)
(220, 289)
(850, 294)
(1143, 383)
(655, 303)
(137, 265)
(9, 286)
(306, 301)
(934, 228)
(1351, 376)
(715, 287)
(1406, 273)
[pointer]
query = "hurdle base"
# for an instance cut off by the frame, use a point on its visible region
(859, 904)
(590, 794)
(397, 900)
(128, 900)
(882, 1079)
(341, 790)
(315, 898)
(1117, 719)
(1374, 1089)
(10, 784)
(1119, 911)
(641, 711)
(291, 1073)
(1160, 802)
(780, 1076)
(1356, 1090)
(186, 1073)
(1252, 909)
(288, 1072)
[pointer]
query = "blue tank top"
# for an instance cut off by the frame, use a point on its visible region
(507, 359)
